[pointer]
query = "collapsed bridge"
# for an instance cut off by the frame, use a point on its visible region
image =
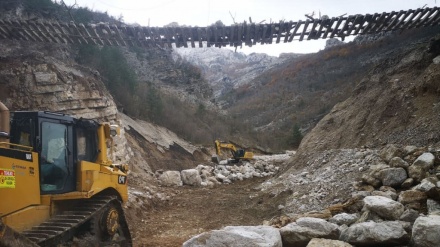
(216, 35)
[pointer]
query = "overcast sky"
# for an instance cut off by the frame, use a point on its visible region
(205, 12)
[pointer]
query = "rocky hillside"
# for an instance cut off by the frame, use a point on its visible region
(300, 91)
(226, 70)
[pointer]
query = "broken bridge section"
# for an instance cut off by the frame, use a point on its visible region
(218, 36)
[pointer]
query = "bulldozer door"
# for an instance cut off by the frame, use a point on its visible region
(56, 164)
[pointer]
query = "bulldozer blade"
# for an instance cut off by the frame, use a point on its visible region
(11, 238)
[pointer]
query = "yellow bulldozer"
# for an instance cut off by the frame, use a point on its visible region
(237, 154)
(58, 182)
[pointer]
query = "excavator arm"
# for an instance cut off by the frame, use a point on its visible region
(237, 154)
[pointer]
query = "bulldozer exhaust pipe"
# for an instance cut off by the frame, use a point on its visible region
(4, 123)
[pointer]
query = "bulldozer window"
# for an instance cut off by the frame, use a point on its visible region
(86, 144)
(54, 168)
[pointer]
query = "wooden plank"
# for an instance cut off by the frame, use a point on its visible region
(272, 31)
(361, 24)
(118, 34)
(248, 34)
(434, 19)
(288, 28)
(312, 33)
(86, 34)
(199, 37)
(263, 34)
(23, 30)
(426, 18)
(193, 36)
(418, 15)
(357, 19)
(385, 23)
(319, 31)
(3, 32)
(328, 25)
(57, 33)
(95, 35)
(402, 20)
(378, 22)
(63, 32)
(42, 27)
(139, 36)
(306, 24)
(280, 30)
(257, 34)
(223, 34)
(215, 35)
(371, 22)
(408, 20)
(149, 40)
(208, 36)
(335, 29)
(240, 35)
(345, 26)
(395, 19)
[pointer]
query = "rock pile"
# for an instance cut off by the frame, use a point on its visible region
(397, 204)
(210, 175)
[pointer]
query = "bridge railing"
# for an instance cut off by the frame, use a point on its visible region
(219, 36)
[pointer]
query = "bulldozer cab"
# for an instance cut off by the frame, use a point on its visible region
(60, 141)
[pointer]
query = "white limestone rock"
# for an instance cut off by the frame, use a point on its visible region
(425, 232)
(384, 207)
(373, 234)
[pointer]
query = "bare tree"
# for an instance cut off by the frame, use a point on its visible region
(69, 8)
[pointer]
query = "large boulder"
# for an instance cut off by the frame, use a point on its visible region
(421, 166)
(410, 196)
(191, 177)
(384, 207)
(319, 242)
(398, 162)
(390, 151)
(344, 219)
(170, 178)
(299, 233)
(375, 234)
(242, 236)
(393, 177)
(426, 231)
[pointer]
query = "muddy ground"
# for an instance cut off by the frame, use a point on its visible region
(192, 210)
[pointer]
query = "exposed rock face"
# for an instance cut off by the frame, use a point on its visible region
(32, 80)
(225, 69)
(243, 236)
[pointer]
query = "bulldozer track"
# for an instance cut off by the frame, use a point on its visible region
(62, 227)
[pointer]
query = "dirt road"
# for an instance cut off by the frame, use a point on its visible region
(193, 210)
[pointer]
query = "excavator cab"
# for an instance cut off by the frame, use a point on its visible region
(56, 179)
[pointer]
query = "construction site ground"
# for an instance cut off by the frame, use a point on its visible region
(193, 210)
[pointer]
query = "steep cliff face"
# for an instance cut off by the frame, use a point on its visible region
(44, 77)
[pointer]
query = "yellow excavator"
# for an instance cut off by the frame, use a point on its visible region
(237, 154)
(57, 181)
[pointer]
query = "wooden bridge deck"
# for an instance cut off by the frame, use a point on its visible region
(235, 35)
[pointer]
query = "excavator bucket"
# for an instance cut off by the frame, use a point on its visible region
(10, 238)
